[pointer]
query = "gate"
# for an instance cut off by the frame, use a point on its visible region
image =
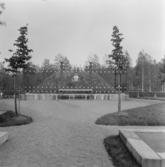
(73, 80)
(101, 80)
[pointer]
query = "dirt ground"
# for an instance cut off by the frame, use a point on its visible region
(63, 134)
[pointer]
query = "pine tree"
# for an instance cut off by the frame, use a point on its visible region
(19, 59)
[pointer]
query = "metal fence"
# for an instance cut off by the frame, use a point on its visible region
(100, 80)
(50, 81)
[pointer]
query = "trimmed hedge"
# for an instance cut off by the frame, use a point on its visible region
(146, 94)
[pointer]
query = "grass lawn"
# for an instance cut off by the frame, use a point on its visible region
(119, 153)
(153, 115)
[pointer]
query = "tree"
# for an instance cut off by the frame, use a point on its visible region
(127, 56)
(1, 75)
(105, 59)
(118, 59)
(47, 65)
(2, 7)
(19, 60)
(94, 59)
(155, 82)
(162, 73)
(130, 71)
(143, 71)
(60, 58)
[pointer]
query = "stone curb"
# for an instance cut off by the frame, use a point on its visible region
(41, 96)
(143, 154)
(3, 137)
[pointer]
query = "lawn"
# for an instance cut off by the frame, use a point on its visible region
(153, 115)
(119, 153)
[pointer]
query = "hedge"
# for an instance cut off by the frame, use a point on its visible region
(146, 94)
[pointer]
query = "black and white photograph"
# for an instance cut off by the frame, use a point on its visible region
(82, 83)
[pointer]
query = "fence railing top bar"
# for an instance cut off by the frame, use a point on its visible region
(74, 89)
(78, 71)
(62, 87)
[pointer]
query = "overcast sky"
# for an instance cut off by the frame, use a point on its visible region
(78, 28)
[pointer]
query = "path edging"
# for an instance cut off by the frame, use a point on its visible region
(144, 155)
(3, 137)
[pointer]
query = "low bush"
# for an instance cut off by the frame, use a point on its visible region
(160, 94)
(9, 119)
(146, 94)
(7, 116)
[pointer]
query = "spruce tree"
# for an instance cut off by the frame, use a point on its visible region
(119, 60)
(19, 59)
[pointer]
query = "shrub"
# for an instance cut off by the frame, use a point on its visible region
(7, 116)
(133, 94)
(9, 119)
(146, 94)
(160, 94)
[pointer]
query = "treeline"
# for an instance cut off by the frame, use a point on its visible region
(146, 75)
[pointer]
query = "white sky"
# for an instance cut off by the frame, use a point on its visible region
(77, 28)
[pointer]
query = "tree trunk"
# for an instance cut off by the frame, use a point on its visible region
(119, 101)
(23, 81)
(119, 94)
(15, 96)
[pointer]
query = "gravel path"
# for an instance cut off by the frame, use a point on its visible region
(63, 134)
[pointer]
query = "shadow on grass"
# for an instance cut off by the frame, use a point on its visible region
(9, 119)
(119, 154)
(153, 115)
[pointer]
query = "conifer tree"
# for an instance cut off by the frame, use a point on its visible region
(119, 60)
(19, 59)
